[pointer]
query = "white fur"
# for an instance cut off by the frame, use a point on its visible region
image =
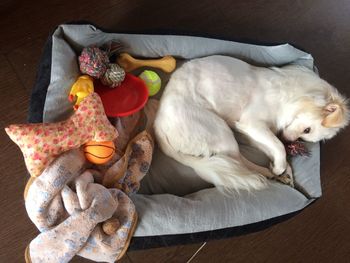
(207, 97)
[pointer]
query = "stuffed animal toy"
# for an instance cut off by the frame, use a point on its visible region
(41, 143)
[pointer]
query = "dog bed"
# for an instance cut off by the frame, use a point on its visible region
(174, 205)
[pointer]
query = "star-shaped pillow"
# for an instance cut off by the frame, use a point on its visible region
(41, 143)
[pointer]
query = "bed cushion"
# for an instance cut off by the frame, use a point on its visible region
(173, 199)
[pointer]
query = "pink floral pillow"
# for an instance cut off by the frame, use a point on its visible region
(41, 143)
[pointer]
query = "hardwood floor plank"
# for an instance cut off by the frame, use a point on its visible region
(25, 20)
(312, 236)
(14, 97)
(17, 230)
(25, 59)
(78, 259)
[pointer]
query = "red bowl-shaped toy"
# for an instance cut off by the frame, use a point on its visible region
(129, 97)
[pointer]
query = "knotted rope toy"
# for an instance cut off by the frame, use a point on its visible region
(113, 76)
(94, 62)
(296, 148)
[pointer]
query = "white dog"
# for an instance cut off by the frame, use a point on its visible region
(207, 97)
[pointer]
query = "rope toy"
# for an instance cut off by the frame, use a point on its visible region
(113, 76)
(94, 62)
(296, 148)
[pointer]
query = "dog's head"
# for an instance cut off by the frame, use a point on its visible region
(319, 114)
(316, 125)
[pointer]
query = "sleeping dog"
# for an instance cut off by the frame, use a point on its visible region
(207, 97)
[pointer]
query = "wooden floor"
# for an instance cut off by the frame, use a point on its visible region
(321, 233)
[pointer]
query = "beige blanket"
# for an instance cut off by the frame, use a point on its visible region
(85, 210)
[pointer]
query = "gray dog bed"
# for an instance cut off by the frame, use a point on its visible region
(174, 205)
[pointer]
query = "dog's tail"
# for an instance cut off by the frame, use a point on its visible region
(226, 173)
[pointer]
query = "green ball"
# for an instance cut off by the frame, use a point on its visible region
(152, 81)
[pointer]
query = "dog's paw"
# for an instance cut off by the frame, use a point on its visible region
(286, 177)
(279, 168)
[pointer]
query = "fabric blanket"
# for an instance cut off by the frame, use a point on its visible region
(83, 209)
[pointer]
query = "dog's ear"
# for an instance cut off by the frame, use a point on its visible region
(334, 115)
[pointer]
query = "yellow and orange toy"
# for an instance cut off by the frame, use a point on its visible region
(99, 152)
(81, 89)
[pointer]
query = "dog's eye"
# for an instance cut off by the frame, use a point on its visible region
(307, 130)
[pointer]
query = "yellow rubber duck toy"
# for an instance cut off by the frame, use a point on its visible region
(81, 89)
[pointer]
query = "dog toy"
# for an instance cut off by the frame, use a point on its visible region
(82, 209)
(113, 76)
(41, 143)
(95, 62)
(99, 152)
(130, 97)
(111, 226)
(296, 148)
(81, 89)
(77, 213)
(128, 63)
(152, 81)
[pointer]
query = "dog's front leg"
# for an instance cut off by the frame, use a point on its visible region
(263, 138)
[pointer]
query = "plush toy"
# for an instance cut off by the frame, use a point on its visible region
(71, 210)
(84, 211)
(41, 143)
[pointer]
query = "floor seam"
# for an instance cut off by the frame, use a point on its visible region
(15, 72)
(195, 253)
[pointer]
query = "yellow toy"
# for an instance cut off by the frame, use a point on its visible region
(81, 89)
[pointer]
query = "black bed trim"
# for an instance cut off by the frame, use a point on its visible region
(42, 81)
(147, 242)
(35, 115)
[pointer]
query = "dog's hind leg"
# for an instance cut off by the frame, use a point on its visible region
(260, 169)
(202, 140)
